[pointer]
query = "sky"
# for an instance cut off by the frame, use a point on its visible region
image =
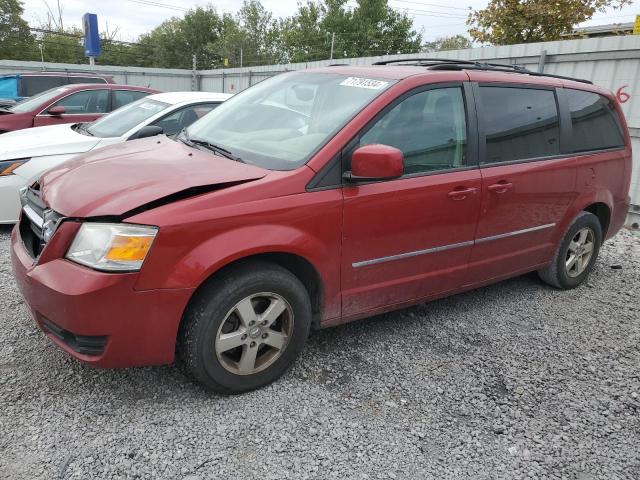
(131, 18)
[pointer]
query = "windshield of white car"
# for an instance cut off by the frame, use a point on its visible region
(36, 101)
(120, 121)
(281, 122)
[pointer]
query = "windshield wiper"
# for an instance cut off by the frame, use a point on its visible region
(198, 142)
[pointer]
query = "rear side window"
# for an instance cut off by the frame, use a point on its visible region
(33, 85)
(519, 123)
(595, 122)
(122, 97)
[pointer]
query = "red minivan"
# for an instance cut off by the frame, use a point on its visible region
(69, 104)
(315, 198)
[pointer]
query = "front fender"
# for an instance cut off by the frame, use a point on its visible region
(192, 269)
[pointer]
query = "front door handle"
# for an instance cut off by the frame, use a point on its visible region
(500, 187)
(462, 193)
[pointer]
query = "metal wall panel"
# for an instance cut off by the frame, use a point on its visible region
(612, 62)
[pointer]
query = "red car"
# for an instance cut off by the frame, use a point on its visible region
(69, 104)
(315, 198)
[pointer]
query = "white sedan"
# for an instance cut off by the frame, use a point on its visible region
(25, 154)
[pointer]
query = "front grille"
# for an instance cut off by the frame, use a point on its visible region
(84, 344)
(35, 219)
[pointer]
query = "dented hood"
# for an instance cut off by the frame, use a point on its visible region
(117, 179)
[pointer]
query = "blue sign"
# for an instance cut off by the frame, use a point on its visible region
(91, 35)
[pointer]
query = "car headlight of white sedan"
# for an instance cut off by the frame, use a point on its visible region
(8, 166)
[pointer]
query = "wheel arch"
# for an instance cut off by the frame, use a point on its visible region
(296, 264)
(599, 202)
(603, 212)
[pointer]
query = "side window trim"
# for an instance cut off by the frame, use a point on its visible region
(482, 143)
(566, 126)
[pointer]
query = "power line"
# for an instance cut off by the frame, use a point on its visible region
(431, 5)
(153, 3)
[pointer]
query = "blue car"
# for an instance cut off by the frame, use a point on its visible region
(18, 86)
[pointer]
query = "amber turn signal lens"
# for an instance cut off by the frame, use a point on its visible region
(10, 168)
(129, 248)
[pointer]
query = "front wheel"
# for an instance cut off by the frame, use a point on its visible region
(245, 328)
(576, 255)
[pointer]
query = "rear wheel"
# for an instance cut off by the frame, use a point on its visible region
(245, 328)
(578, 251)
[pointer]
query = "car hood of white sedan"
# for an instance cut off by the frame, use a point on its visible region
(43, 141)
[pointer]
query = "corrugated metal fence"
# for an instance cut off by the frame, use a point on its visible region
(612, 62)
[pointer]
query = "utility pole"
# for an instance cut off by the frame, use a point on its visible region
(333, 40)
(240, 57)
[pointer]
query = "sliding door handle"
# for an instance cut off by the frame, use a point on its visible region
(500, 187)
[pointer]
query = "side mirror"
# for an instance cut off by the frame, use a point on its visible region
(148, 131)
(375, 162)
(57, 110)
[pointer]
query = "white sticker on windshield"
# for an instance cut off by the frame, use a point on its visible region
(146, 106)
(364, 83)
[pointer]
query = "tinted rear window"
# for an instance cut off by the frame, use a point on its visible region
(122, 97)
(519, 123)
(595, 122)
(32, 85)
(86, 80)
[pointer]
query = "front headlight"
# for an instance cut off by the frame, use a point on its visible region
(113, 247)
(8, 166)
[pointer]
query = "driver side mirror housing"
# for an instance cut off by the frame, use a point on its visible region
(57, 110)
(148, 131)
(375, 162)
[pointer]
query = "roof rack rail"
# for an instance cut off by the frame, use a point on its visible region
(452, 64)
(499, 67)
(422, 60)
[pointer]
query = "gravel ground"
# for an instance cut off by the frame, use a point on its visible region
(511, 381)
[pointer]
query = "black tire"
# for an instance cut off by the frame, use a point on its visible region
(556, 273)
(196, 343)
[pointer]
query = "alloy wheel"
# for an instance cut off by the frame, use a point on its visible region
(580, 252)
(254, 333)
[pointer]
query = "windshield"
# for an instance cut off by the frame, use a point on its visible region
(125, 118)
(279, 123)
(36, 101)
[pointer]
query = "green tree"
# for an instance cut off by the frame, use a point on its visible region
(62, 46)
(172, 43)
(455, 42)
(256, 33)
(370, 28)
(16, 41)
(505, 22)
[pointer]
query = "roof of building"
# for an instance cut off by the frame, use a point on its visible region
(611, 28)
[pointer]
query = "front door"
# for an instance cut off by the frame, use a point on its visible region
(527, 182)
(410, 238)
(83, 106)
